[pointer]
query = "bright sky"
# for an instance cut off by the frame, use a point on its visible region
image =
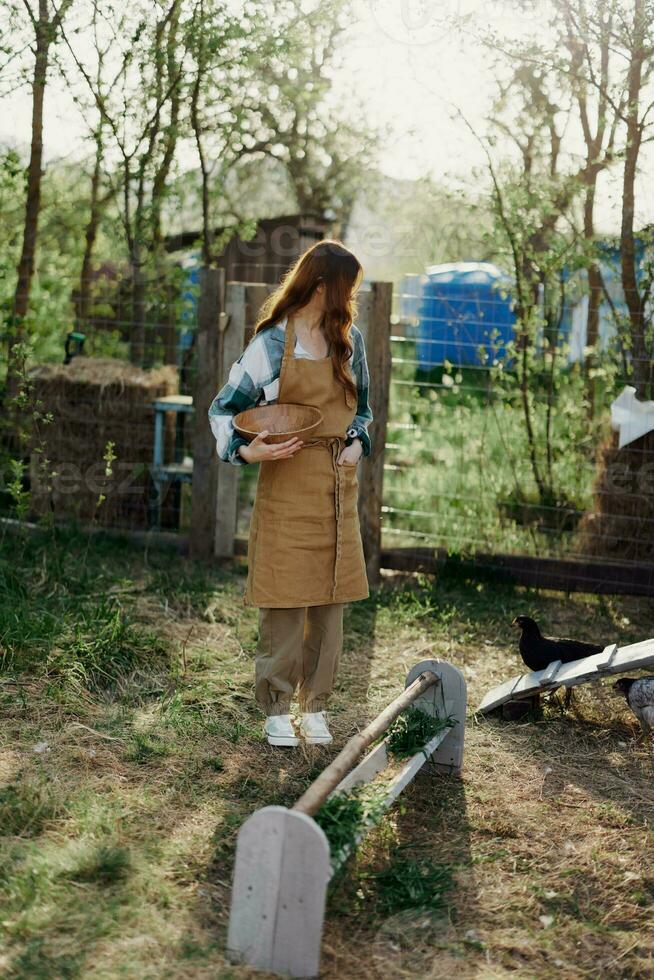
(414, 70)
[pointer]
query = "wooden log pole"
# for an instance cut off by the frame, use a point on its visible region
(205, 458)
(231, 347)
(256, 294)
(374, 322)
(311, 801)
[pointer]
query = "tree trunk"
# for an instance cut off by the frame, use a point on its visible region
(32, 205)
(640, 362)
(137, 345)
(594, 298)
(82, 296)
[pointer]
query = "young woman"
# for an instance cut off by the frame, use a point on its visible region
(305, 557)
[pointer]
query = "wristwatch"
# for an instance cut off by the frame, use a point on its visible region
(352, 433)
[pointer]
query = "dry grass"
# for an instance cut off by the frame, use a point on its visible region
(126, 802)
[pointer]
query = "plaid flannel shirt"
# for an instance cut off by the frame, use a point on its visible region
(254, 379)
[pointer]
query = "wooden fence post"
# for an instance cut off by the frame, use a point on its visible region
(255, 295)
(232, 344)
(205, 458)
(374, 321)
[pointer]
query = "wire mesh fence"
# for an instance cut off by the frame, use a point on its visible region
(496, 450)
(490, 450)
(110, 379)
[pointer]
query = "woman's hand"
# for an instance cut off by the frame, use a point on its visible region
(259, 450)
(350, 455)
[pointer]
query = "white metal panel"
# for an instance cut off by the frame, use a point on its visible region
(612, 660)
(278, 897)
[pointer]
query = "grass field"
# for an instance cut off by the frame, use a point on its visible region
(131, 753)
(457, 460)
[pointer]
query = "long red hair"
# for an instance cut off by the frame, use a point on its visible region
(327, 261)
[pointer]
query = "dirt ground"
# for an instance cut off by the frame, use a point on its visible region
(121, 801)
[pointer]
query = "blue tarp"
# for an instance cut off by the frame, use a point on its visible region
(464, 307)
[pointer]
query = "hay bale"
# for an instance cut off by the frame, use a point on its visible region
(94, 401)
(621, 524)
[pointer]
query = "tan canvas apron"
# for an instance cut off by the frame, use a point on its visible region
(305, 544)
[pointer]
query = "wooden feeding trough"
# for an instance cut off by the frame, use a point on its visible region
(283, 421)
(283, 862)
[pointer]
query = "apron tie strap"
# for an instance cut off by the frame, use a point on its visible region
(334, 443)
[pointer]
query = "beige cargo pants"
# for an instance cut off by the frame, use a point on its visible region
(298, 648)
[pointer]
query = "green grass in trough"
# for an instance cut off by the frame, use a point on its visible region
(345, 816)
(412, 730)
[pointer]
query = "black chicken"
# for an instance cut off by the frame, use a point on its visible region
(538, 651)
(639, 693)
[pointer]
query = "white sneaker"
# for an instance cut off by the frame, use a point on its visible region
(279, 730)
(314, 728)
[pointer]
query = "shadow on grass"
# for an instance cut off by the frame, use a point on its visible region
(409, 897)
(590, 763)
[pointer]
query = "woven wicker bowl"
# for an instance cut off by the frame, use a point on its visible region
(282, 422)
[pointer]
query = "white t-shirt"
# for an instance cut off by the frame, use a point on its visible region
(301, 351)
(271, 391)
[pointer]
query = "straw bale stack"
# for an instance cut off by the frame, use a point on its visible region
(621, 523)
(94, 401)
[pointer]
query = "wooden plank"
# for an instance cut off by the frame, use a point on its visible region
(280, 882)
(256, 294)
(255, 888)
(547, 676)
(374, 321)
(499, 695)
(636, 656)
(608, 656)
(449, 698)
(581, 671)
(231, 347)
(597, 576)
(207, 376)
(612, 660)
(304, 876)
(369, 767)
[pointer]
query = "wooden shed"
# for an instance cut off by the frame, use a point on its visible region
(266, 257)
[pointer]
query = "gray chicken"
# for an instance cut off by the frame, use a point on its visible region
(639, 692)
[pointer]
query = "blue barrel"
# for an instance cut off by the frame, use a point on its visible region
(465, 315)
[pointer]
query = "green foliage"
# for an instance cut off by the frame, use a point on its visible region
(105, 864)
(26, 806)
(459, 472)
(105, 644)
(412, 730)
(57, 617)
(146, 747)
(345, 817)
(35, 962)
(408, 884)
